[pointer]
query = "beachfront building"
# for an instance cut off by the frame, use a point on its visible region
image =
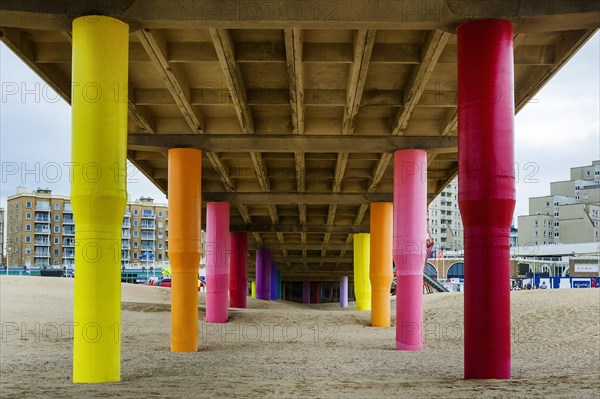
(41, 231)
(569, 215)
(445, 224)
(2, 236)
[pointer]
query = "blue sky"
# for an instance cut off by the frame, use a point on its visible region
(559, 129)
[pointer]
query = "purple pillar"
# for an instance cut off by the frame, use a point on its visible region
(238, 280)
(263, 274)
(306, 291)
(217, 261)
(273, 281)
(344, 292)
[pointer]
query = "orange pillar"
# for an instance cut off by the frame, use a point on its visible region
(185, 206)
(381, 271)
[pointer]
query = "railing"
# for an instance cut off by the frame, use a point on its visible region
(42, 242)
(42, 219)
(69, 232)
(42, 231)
(68, 221)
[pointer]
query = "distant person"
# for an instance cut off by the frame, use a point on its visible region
(594, 283)
(543, 286)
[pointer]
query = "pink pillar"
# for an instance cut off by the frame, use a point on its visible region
(486, 182)
(238, 280)
(409, 250)
(217, 261)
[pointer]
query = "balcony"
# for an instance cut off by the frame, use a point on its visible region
(42, 243)
(68, 220)
(69, 255)
(41, 263)
(41, 254)
(147, 215)
(42, 207)
(42, 230)
(126, 224)
(148, 226)
(68, 208)
(42, 218)
(148, 237)
(147, 248)
(68, 231)
(126, 235)
(68, 242)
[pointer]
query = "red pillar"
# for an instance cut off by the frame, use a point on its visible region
(486, 190)
(238, 280)
(316, 292)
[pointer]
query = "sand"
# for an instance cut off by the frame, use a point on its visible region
(303, 351)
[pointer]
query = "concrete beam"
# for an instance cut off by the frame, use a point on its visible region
(261, 198)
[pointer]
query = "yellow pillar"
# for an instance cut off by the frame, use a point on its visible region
(362, 285)
(98, 193)
(185, 207)
(381, 267)
(254, 289)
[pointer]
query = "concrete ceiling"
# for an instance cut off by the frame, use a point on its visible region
(269, 89)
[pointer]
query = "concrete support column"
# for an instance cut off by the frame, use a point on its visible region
(217, 261)
(409, 249)
(263, 274)
(344, 292)
(316, 292)
(99, 194)
(185, 206)
(278, 284)
(486, 190)
(306, 291)
(362, 284)
(381, 263)
(273, 281)
(238, 279)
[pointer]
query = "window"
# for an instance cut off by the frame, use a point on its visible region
(556, 203)
(136, 212)
(557, 234)
(135, 255)
(56, 218)
(588, 173)
(28, 216)
(27, 205)
(135, 233)
(135, 244)
(160, 246)
(57, 229)
(55, 262)
(27, 239)
(536, 223)
(160, 234)
(27, 251)
(56, 240)
(55, 251)
(556, 213)
(556, 224)
(27, 227)
(536, 234)
(547, 203)
(160, 214)
(57, 206)
(160, 225)
(136, 223)
(159, 256)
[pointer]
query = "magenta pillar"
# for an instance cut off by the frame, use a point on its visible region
(344, 292)
(217, 261)
(306, 291)
(409, 251)
(263, 274)
(486, 190)
(238, 275)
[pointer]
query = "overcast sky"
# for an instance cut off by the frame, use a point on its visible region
(558, 129)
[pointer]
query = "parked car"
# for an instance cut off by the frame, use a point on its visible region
(165, 282)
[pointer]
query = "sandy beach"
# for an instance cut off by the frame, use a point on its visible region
(288, 350)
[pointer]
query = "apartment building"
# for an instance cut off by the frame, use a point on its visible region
(2, 236)
(445, 224)
(41, 231)
(569, 215)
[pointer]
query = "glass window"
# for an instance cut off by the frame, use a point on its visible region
(56, 218)
(27, 239)
(55, 251)
(136, 223)
(27, 227)
(27, 251)
(56, 229)
(135, 233)
(27, 205)
(160, 246)
(135, 255)
(160, 214)
(57, 206)
(136, 212)
(160, 225)
(28, 216)
(56, 240)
